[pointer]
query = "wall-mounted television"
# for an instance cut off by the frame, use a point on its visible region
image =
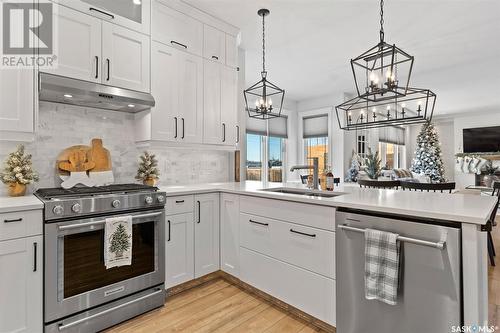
(481, 139)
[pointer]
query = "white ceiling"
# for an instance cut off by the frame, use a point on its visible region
(456, 44)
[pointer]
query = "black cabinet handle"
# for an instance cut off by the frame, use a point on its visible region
(183, 128)
(175, 136)
(179, 201)
(223, 132)
(92, 9)
(215, 57)
(259, 223)
(13, 220)
(96, 67)
(35, 245)
(237, 134)
(199, 211)
(177, 43)
(302, 233)
(168, 240)
(108, 65)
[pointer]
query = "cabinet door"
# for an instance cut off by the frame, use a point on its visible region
(190, 97)
(77, 45)
(17, 96)
(214, 44)
(229, 105)
(212, 126)
(125, 58)
(231, 51)
(176, 29)
(179, 265)
(229, 233)
(206, 234)
(21, 285)
(164, 87)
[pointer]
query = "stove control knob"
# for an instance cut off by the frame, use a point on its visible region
(161, 199)
(149, 200)
(76, 208)
(116, 203)
(58, 210)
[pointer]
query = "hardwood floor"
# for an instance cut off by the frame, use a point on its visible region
(216, 306)
(219, 306)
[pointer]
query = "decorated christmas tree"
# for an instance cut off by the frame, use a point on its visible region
(18, 168)
(352, 173)
(372, 162)
(148, 168)
(427, 160)
(120, 241)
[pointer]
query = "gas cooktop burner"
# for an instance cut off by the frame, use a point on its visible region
(58, 192)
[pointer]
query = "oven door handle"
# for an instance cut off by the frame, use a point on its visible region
(79, 321)
(86, 224)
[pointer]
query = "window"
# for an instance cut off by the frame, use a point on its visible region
(315, 135)
(266, 149)
(392, 147)
(362, 143)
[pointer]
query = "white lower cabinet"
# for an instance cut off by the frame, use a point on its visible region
(229, 233)
(179, 249)
(305, 290)
(206, 234)
(21, 286)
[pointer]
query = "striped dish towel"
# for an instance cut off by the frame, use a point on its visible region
(381, 266)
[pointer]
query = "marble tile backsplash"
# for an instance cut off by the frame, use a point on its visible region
(61, 126)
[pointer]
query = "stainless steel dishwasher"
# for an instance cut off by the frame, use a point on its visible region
(429, 295)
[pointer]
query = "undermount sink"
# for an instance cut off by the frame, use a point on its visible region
(305, 192)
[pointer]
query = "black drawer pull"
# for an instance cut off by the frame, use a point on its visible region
(13, 220)
(168, 240)
(177, 43)
(35, 245)
(179, 201)
(215, 57)
(302, 233)
(259, 223)
(102, 12)
(199, 211)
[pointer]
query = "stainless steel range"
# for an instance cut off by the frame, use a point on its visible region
(81, 295)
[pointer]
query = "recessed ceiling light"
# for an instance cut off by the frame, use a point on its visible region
(136, 2)
(131, 105)
(68, 96)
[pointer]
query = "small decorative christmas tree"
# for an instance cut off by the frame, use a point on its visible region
(18, 172)
(372, 162)
(120, 241)
(148, 169)
(352, 173)
(427, 160)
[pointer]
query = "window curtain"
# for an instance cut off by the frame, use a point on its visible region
(315, 126)
(394, 135)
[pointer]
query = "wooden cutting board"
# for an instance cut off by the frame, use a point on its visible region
(79, 158)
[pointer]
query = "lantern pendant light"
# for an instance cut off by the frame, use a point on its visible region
(259, 97)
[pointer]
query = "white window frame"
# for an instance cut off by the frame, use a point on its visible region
(310, 113)
(399, 152)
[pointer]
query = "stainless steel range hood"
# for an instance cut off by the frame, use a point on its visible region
(59, 89)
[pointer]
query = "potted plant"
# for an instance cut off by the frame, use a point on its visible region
(18, 172)
(148, 169)
(372, 165)
(490, 171)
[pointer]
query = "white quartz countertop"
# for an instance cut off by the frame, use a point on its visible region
(465, 208)
(16, 204)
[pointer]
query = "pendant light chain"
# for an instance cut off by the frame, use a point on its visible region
(381, 20)
(263, 44)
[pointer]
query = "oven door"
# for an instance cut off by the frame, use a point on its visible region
(76, 278)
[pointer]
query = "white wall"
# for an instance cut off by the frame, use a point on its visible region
(61, 126)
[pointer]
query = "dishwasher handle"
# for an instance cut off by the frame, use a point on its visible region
(438, 245)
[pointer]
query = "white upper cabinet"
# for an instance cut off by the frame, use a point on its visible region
(21, 267)
(212, 125)
(190, 85)
(77, 45)
(229, 106)
(176, 29)
(125, 56)
(17, 93)
(133, 15)
(214, 44)
(206, 234)
(231, 51)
